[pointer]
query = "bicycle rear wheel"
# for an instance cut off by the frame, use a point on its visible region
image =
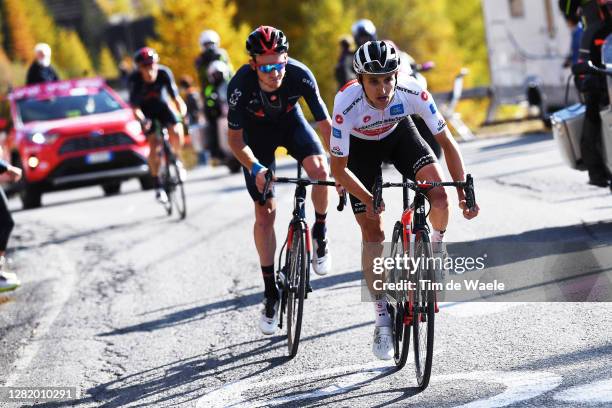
(296, 289)
(424, 310)
(399, 276)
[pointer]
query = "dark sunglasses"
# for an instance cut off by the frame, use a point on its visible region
(267, 68)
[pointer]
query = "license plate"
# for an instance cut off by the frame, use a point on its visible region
(98, 157)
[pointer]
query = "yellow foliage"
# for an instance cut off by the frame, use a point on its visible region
(72, 56)
(107, 65)
(21, 41)
(179, 24)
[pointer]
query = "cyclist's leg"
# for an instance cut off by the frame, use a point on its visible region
(303, 144)
(263, 142)
(151, 113)
(172, 122)
(413, 157)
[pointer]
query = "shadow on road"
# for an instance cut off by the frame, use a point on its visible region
(200, 312)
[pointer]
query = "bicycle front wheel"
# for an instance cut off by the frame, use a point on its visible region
(424, 309)
(166, 182)
(296, 289)
(178, 189)
(399, 276)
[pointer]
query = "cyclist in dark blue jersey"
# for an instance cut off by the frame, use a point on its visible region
(151, 86)
(263, 115)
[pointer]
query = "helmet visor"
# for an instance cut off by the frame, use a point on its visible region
(374, 67)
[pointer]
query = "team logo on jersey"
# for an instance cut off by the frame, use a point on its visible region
(336, 133)
(339, 119)
(424, 95)
(432, 108)
(441, 124)
(336, 150)
(233, 99)
(397, 109)
(367, 118)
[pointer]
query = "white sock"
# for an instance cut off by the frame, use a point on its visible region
(437, 236)
(382, 315)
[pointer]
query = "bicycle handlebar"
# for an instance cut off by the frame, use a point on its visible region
(422, 187)
(300, 182)
(588, 67)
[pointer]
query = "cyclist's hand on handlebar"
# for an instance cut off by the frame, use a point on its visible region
(147, 125)
(340, 190)
(468, 213)
(260, 180)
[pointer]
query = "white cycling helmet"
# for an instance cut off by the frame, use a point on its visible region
(376, 57)
(209, 37)
(217, 67)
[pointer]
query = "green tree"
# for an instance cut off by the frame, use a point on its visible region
(179, 23)
(72, 56)
(21, 40)
(107, 67)
(42, 25)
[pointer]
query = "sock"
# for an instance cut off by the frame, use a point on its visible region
(382, 315)
(319, 229)
(437, 236)
(270, 290)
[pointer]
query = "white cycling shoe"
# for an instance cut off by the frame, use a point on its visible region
(382, 346)
(268, 322)
(321, 263)
(161, 196)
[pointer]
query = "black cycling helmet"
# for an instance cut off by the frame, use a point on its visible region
(146, 56)
(363, 31)
(266, 40)
(376, 57)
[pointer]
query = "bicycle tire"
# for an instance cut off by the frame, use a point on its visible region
(164, 176)
(178, 190)
(296, 289)
(401, 330)
(424, 311)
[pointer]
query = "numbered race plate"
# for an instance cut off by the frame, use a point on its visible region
(98, 157)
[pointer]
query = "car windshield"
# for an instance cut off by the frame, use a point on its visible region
(68, 106)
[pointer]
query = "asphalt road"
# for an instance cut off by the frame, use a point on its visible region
(137, 309)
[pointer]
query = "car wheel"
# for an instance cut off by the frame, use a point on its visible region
(31, 196)
(111, 188)
(147, 182)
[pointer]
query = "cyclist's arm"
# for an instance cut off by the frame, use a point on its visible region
(325, 129)
(242, 152)
(348, 180)
(180, 104)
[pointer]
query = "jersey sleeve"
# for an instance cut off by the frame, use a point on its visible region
(339, 142)
(310, 91)
(235, 100)
(171, 84)
(424, 105)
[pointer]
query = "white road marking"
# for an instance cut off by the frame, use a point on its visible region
(62, 288)
(595, 392)
(521, 386)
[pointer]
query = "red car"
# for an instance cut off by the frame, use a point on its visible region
(74, 133)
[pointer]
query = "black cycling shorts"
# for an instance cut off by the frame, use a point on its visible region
(295, 134)
(161, 112)
(404, 147)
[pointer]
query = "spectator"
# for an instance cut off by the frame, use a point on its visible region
(215, 105)
(8, 280)
(344, 68)
(41, 70)
(575, 26)
(194, 114)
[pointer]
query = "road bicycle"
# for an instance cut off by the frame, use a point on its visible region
(293, 277)
(171, 173)
(412, 299)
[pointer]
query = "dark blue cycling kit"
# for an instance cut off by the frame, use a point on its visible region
(273, 119)
(152, 97)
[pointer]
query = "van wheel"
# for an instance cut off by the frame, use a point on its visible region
(111, 188)
(31, 196)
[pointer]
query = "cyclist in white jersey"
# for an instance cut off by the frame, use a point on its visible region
(371, 123)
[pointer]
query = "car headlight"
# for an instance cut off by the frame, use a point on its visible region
(133, 127)
(42, 138)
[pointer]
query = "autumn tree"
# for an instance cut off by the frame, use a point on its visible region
(179, 23)
(72, 56)
(107, 67)
(21, 41)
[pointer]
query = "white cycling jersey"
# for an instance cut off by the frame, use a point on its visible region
(353, 115)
